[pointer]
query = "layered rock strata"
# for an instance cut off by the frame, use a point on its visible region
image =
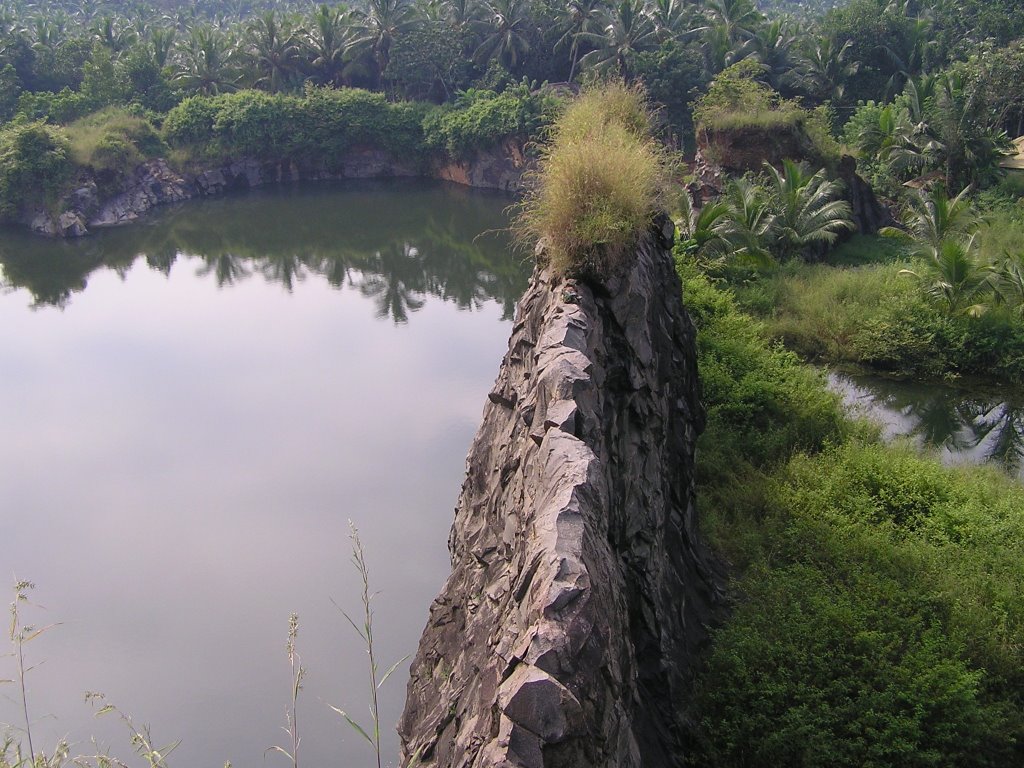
(579, 595)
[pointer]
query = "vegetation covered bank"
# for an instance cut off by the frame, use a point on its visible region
(111, 166)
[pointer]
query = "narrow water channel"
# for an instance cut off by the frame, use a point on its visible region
(194, 407)
(964, 426)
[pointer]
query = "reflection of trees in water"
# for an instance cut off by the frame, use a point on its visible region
(227, 269)
(398, 248)
(953, 419)
(1002, 427)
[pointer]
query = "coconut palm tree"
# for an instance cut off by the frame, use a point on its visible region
(737, 20)
(896, 140)
(908, 57)
(627, 31)
(113, 35)
(971, 141)
(207, 63)
(326, 40)
(773, 45)
(374, 30)
(824, 71)
(161, 44)
(671, 19)
(750, 223)
(932, 218)
(274, 49)
(807, 209)
(955, 276)
(578, 17)
(504, 25)
(702, 231)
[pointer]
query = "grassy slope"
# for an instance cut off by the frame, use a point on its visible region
(878, 617)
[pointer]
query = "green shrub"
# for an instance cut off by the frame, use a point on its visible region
(61, 107)
(322, 125)
(871, 315)
(762, 403)
(191, 121)
(599, 185)
(880, 618)
(480, 119)
(736, 101)
(34, 165)
(878, 613)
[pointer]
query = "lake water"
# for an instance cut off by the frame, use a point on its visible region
(962, 425)
(194, 407)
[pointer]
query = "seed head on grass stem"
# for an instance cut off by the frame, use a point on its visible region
(365, 632)
(292, 713)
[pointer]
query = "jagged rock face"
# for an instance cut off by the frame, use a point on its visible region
(501, 169)
(579, 595)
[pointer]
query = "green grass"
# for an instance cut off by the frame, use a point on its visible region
(875, 317)
(113, 140)
(600, 183)
(866, 249)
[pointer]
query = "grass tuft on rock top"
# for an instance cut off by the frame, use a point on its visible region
(600, 182)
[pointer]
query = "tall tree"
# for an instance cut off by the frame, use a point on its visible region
(274, 48)
(375, 30)
(627, 31)
(504, 25)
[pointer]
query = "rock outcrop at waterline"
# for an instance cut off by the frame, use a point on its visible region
(579, 595)
(154, 183)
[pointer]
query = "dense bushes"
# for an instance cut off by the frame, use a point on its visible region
(879, 617)
(762, 403)
(881, 621)
(34, 164)
(322, 124)
(479, 118)
(599, 185)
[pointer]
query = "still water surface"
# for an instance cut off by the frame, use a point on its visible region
(192, 410)
(963, 425)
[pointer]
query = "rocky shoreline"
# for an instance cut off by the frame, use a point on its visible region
(155, 183)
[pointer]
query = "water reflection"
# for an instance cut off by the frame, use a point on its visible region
(180, 460)
(392, 242)
(965, 425)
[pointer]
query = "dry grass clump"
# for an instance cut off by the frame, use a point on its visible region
(600, 182)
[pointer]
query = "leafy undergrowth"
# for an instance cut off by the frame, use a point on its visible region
(874, 314)
(878, 613)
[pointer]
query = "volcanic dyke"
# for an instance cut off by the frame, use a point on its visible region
(580, 593)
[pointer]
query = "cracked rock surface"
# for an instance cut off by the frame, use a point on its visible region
(579, 596)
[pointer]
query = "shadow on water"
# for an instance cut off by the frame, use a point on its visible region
(964, 425)
(397, 242)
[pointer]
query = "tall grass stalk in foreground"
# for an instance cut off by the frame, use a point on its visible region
(365, 632)
(292, 714)
(20, 635)
(140, 736)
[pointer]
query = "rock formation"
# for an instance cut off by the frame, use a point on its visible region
(722, 154)
(579, 595)
(154, 183)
